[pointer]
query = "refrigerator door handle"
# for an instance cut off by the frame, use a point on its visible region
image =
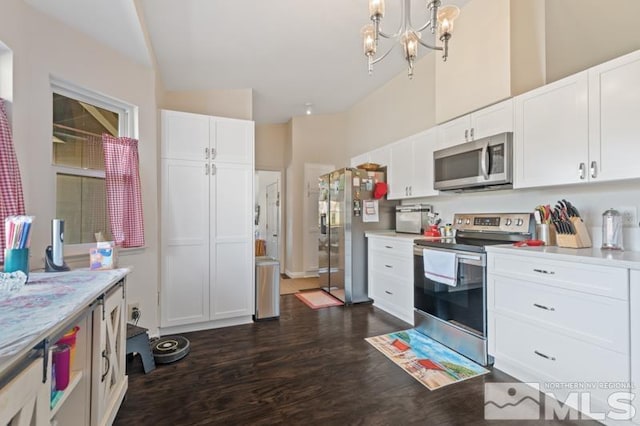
(323, 224)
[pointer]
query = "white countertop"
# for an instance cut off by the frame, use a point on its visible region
(593, 255)
(393, 234)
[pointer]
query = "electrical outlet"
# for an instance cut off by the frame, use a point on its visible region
(130, 308)
(629, 216)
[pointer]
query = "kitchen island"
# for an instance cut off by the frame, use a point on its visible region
(34, 318)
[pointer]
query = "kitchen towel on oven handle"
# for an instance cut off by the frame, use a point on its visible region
(441, 266)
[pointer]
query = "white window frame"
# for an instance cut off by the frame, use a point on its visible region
(127, 127)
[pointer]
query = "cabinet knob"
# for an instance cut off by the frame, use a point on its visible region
(213, 169)
(206, 153)
(213, 153)
(594, 169)
(466, 134)
(471, 134)
(581, 171)
(206, 169)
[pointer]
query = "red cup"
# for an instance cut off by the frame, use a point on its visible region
(69, 338)
(61, 358)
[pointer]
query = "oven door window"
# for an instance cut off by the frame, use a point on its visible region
(462, 305)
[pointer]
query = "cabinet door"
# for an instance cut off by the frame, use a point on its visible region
(359, 159)
(232, 265)
(492, 120)
(454, 132)
(400, 171)
(614, 98)
(109, 364)
(423, 147)
(232, 140)
(25, 399)
(380, 156)
(551, 134)
(184, 136)
(185, 242)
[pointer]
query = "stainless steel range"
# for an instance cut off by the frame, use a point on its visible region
(450, 279)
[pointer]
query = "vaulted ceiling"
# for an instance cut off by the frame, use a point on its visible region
(290, 52)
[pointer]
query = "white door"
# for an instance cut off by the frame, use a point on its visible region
(454, 132)
(232, 140)
(232, 224)
(400, 170)
(310, 214)
(492, 120)
(423, 147)
(185, 136)
(551, 134)
(614, 99)
(185, 242)
(273, 220)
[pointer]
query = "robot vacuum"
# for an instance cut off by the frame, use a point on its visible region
(170, 349)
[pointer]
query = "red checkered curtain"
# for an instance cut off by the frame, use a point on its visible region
(124, 193)
(11, 198)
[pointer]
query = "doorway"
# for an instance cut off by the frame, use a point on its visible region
(268, 217)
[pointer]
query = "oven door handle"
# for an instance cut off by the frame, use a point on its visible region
(462, 256)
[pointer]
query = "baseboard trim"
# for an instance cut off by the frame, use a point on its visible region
(186, 328)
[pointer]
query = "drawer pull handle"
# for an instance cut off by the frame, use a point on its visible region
(388, 266)
(542, 271)
(546, 308)
(389, 247)
(550, 358)
(388, 292)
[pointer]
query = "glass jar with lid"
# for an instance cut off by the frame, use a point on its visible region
(612, 230)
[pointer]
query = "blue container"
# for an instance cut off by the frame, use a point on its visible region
(17, 260)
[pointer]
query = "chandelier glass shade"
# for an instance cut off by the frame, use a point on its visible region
(440, 19)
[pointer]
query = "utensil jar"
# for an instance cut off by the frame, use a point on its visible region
(612, 230)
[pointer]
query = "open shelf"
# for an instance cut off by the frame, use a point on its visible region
(75, 378)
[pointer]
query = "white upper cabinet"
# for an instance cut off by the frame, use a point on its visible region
(410, 172)
(378, 156)
(551, 135)
(184, 135)
(488, 121)
(494, 54)
(581, 128)
(614, 113)
(231, 141)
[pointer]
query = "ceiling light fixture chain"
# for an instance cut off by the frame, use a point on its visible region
(440, 20)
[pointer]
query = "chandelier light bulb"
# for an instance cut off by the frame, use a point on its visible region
(376, 9)
(369, 40)
(446, 16)
(308, 110)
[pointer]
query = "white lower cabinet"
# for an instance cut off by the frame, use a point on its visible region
(564, 325)
(390, 275)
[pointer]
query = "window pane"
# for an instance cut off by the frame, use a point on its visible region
(82, 203)
(77, 130)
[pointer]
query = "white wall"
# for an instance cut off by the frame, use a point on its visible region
(43, 47)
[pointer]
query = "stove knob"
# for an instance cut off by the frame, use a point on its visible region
(459, 221)
(519, 222)
(468, 222)
(508, 222)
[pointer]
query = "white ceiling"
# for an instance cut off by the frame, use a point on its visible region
(290, 52)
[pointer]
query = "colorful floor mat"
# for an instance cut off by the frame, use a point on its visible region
(429, 362)
(316, 299)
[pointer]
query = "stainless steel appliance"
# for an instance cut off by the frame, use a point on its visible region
(267, 288)
(455, 314)
(413, 218)
(346, 212)
(482, 164)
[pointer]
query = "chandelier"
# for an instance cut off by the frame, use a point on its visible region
(440, 19)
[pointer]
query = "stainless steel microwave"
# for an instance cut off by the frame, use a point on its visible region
(482, 164)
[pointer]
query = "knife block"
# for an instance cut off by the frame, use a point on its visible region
(580, 239)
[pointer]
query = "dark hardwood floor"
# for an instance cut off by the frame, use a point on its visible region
(309, 367)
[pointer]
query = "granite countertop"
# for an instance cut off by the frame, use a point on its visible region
(593, 255)
(44, 303)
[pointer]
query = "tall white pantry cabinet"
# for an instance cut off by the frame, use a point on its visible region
(207, 257)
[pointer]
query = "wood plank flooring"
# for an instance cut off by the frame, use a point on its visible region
(308, 368)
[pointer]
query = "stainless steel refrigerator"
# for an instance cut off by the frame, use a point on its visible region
(347, 209)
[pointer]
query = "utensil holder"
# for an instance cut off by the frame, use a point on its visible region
(580, 239)
(546, 233)
(17, 260)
